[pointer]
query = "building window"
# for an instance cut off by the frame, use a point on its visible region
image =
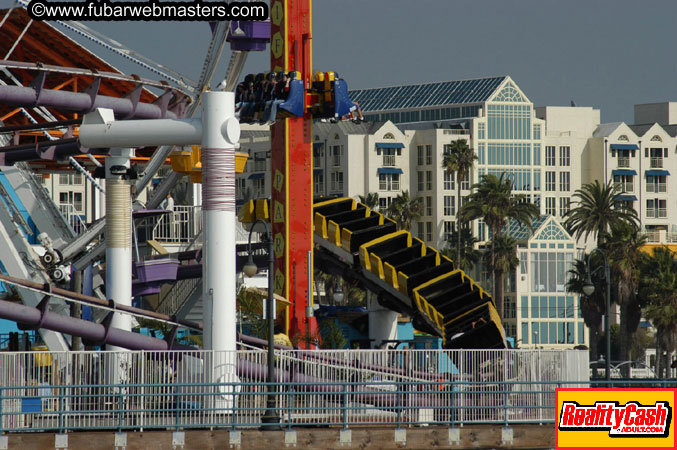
(655, 183)
(564, 181)
(623, 158)
(550, 206)
(429, 231)
(564, 205)
(625, 183)
(565, 156)
(549, 181)
(259, 187)
(449, 205)
(421, 154)
(421, 180)
(337, 181)
(429, 180)
(449, 180)
(260, 161)
(549, 273)
(428, 154)
(537, 154)
(448, 229)
(656, 158)
(537, 132)
(550, 155)
(318, 182)
(480, 131)
(389, 156)
(63, 179)
(420, 233)
(318, 155)
(336, 152)
(656, 208)
(465, 183)
(429, 206)
(384, 203)
(389, 182)
(77, 201)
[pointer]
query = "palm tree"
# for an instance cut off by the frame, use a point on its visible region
(469, 256)
(625, 256)
(370, 200)
(596, 212)
(659, 285)
(404, 210)
(592, 307)
(459, 159)
(493, 201)
(505, 261)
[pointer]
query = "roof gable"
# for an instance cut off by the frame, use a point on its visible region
(510, 93)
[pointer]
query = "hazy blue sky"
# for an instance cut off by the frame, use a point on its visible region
(609, 54)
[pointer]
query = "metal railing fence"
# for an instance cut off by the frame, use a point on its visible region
(181, 225)
(201, 389)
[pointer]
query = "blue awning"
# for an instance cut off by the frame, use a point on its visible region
(624, 147)
(256, 176)
(389, 145)
(624, 172)
(389, 170)
(657, 173)
(627, 198)
(318, 144)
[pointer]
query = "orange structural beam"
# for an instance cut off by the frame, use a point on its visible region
(292, 165)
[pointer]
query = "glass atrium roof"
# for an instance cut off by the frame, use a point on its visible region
(426, 95)
(522, 232)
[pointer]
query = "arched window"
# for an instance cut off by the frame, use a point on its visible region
(623, 138)
(336, 137)
(656, 138)
(388, 136)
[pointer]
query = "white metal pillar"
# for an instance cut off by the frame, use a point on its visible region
(382, 323)
(119, 236)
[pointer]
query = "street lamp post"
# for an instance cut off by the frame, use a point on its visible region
(589, 289)
(250, 269)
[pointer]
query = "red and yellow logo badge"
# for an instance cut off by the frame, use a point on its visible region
(615, 418)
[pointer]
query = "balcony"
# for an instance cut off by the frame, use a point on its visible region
(657, 187)
(623, 161)
(660, 237)
(656, 163)
(656, 213)
(388, 160)
(625, 187)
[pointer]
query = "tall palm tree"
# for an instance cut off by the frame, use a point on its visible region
(469, 255)
(659, 285)
(625, 256)
(595, 212)
(370, 200)
(459, 159)
(592, 307)
(493, 201)
(405, 210)
(505, 262)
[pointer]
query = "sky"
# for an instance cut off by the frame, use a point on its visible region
(608, 54)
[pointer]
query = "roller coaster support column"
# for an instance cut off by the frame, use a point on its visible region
(119, 235)
(218, 132)
(292, 164)
(221, 132)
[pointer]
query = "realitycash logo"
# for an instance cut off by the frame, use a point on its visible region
(629, 420)
(615, 418)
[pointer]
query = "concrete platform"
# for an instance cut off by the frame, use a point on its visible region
(425, 438)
